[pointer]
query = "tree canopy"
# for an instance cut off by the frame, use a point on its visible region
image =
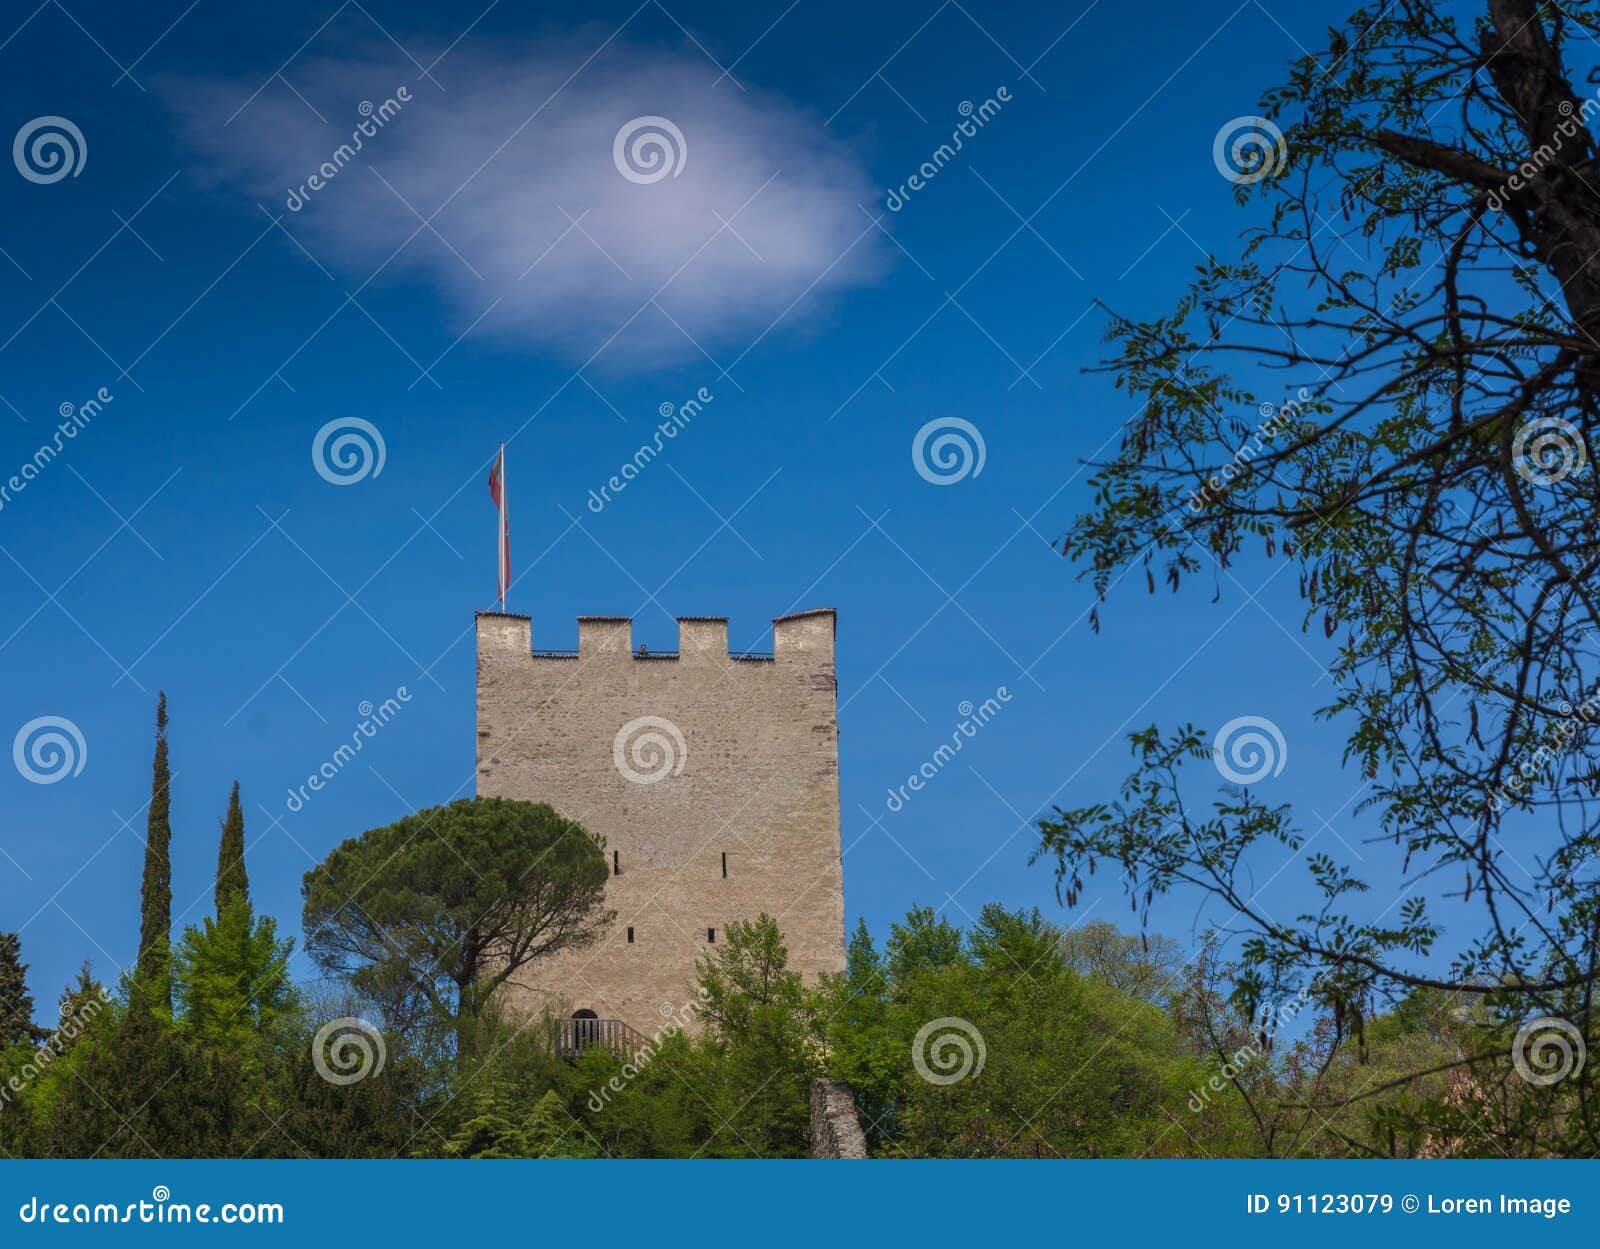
(433, 913)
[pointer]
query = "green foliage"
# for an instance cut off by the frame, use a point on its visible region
(298, 1113)
(924, 941)
(231, 975)
(996, 1046)
(490, 1128)
(494, 1128)
(431, 914)
(552, 1131)
(863, 1047)
(147, 1091)
(755, 1062)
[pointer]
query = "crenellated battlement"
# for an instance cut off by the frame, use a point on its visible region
(806, 636)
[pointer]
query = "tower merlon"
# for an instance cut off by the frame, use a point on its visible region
(703, 637)
(605, 637)
(504, 633)
(805, 635)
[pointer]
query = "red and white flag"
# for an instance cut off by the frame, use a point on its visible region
(497, 492)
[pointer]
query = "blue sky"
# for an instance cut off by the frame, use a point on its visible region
(186, 541)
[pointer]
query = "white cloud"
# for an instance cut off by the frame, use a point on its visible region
(516, 150)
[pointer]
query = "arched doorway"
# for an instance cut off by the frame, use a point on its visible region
(585, 1028)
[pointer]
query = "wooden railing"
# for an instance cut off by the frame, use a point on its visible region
(573, 1036)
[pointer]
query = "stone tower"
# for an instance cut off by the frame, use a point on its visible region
(714, 779)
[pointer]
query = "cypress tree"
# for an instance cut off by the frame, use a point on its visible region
(155, 894)
(231, 876)
(16, 1003)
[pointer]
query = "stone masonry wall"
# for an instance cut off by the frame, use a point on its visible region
(835, 1125)
(689, 766)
